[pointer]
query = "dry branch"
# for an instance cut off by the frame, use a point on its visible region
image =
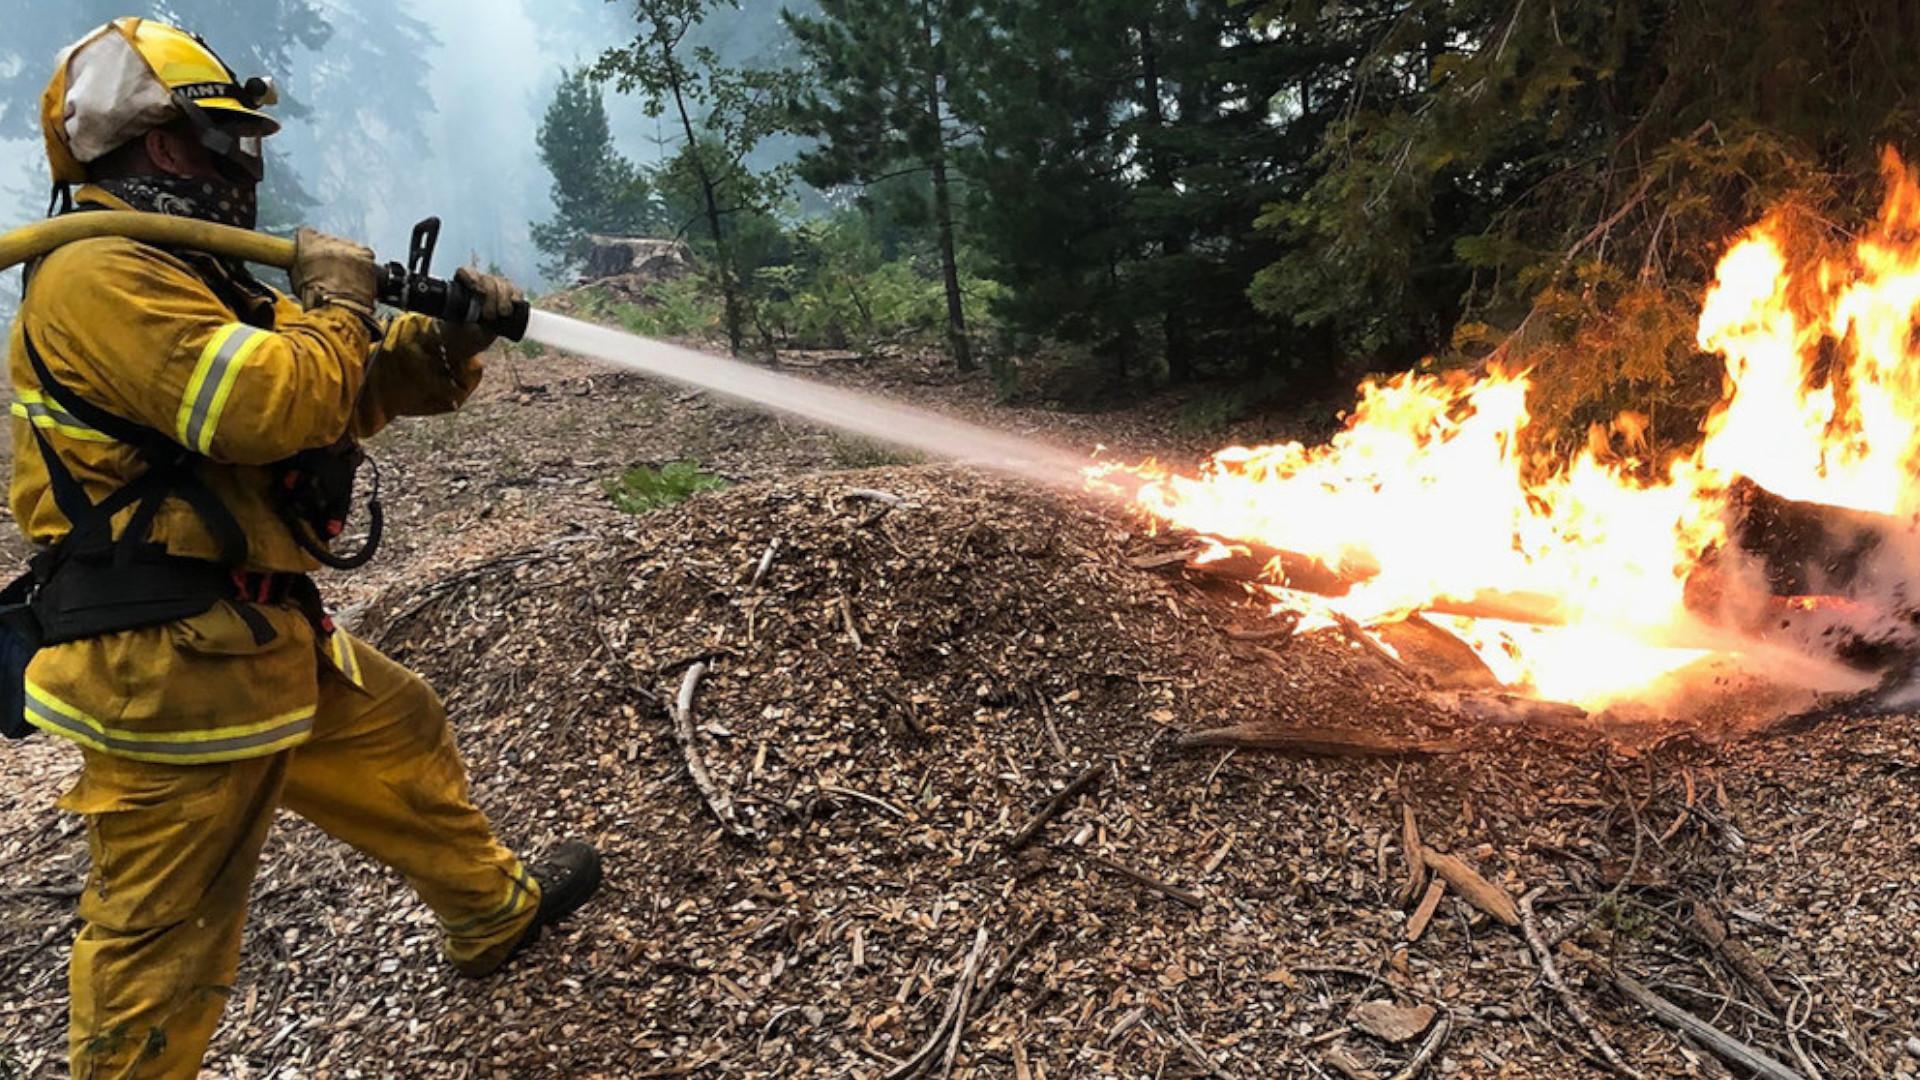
(1430, 903)
(1712, 928)
(1159, 559)
(716, 797)
(1726, 1046)
(952, 1020)
(853, 628)
(1260, 564)
(1172, 892)
(1056, 805)
(885, 498)
(1324, 741)
(1550, 973)
(1479, 892)
(1413, 850)
(765, 564)
(1359, 636)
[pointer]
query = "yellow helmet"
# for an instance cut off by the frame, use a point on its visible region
(132, 75)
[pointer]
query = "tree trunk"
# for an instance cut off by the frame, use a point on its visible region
(729, 290)
(1173, 243)
(943, 201)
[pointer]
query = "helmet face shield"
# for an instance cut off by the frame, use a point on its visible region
(249, 153)
(235, 145)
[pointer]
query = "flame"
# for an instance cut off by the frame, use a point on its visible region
(1427, 498)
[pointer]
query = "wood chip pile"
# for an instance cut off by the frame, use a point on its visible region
(957, 816)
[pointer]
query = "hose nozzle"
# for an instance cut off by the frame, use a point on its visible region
(411, 287)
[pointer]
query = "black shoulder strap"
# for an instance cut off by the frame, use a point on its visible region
(106, 423)
(172, 470)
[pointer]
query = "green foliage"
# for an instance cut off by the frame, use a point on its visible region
(1549, 185)
(595, 189)
(1124, 149)
(838, 289)
(722, 113)
(1213, 408)
(682, 308)
(1267, 200)
(887, 75)
(644, 488)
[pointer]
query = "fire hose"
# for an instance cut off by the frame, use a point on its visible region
(409, 286)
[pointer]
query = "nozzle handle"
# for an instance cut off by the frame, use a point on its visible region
(412, 288)
(447, 300)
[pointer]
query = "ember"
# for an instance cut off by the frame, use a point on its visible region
(1595, 579)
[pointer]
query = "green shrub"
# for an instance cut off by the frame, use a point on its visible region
(682, 308)
(643, 487)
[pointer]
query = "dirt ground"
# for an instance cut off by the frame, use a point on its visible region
(928, 657)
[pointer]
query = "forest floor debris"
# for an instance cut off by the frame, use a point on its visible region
(1003, 650)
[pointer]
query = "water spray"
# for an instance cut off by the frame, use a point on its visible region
(412, 287)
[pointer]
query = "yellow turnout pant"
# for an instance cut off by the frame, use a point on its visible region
(175, 848)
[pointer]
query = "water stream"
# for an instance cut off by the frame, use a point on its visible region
(831, 406)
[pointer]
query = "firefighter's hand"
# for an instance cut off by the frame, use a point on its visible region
(329, 270)
(497, 296)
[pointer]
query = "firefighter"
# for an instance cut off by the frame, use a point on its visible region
(168, 412)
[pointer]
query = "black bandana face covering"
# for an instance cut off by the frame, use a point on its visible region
(215, 200)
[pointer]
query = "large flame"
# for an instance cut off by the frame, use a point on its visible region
(1426, 498)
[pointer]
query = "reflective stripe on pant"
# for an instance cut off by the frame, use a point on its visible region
(175, 848)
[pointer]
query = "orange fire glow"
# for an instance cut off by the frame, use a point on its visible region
(1425, 497)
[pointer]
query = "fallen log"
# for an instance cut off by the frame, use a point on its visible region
(1809, 548)
(1316, 741)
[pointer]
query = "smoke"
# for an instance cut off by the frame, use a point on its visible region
(410, 108)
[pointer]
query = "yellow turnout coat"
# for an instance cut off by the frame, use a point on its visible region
(135, 330)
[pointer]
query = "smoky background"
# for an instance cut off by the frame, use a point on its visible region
(393, 110)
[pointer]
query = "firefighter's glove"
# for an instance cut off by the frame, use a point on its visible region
(497, 298)
(329, 270)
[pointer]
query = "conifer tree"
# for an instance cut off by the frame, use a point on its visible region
(722, 113)
(885, 76)
(595, 188)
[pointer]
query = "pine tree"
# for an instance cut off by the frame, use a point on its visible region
(886, 73)
(1123, 151)
(595, 188)
(1550, 185)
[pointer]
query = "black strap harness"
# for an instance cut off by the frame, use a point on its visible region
(88, 583)
(91, 584)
